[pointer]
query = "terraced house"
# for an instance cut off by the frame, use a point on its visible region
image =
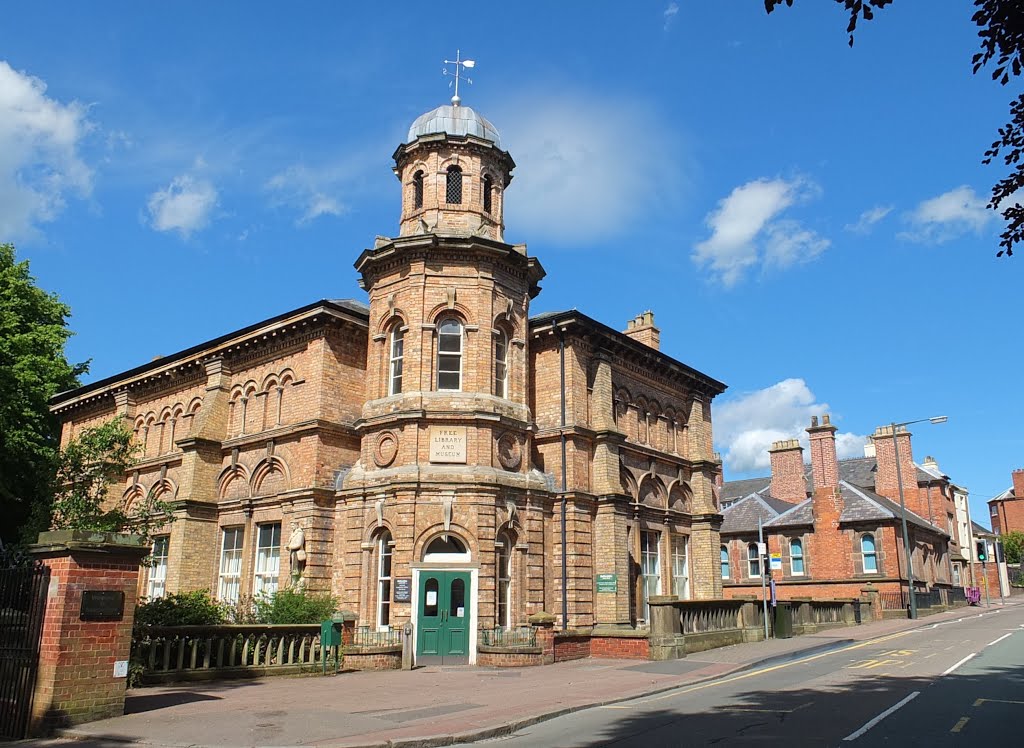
(432, 455)
(835, 525)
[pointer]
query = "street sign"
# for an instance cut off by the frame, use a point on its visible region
(607, 583)
(776, 562)
(762, 549)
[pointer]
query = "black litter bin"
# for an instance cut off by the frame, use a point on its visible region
(783, 621)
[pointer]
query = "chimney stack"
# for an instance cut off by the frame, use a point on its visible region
(788, 481)
(1018, 483)
(887, 447)
(824, 463)
(642, 330)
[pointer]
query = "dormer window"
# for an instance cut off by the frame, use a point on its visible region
(488, 189)
(417, 190)
(453, 188)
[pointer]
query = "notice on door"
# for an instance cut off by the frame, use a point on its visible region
(448, 444)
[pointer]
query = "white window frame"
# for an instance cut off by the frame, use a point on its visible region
(650, 566)
(266, 578)
(501, 364)
(229, 582)
(156, 582)
(753, 560)
(453, 354)
(795, 557)
(385, 575)
(396, 360)
(725, 561)
(681, 566)
(865, 554)
(503, 593)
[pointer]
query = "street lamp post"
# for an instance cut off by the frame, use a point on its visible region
(907, 552)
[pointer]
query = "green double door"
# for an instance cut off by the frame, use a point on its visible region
(443, 618)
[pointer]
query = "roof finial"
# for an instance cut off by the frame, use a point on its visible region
(459, 64)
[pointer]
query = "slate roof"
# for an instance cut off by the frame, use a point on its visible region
(975, 527)
(744, 514)
(858, 471)
(735, 489)
(859, 505)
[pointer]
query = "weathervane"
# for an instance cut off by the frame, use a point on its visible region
(459, 64)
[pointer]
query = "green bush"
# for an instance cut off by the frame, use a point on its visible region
(194, 608)
(292, 605)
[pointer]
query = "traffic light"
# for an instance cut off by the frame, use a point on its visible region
(982, 548)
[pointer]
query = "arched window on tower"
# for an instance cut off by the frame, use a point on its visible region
(449, 355)
(488, 190)
(397, 357)
(417, 190)
(384, 553)
(501, 364)
(503, 580)
(453, 187)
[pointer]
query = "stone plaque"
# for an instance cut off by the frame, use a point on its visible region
(403, 589)
(607, 583)
(448, 444)
(102, 605)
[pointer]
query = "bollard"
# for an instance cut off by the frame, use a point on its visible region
(407, 641)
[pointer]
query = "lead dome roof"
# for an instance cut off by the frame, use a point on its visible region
(454, 120)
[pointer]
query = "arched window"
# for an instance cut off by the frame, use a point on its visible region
(870, 554)
(453, 186)
(726, 572)
(417, 190)
(501, 364)
(753, 561)
(449, 355)
(397, 356)
(487, 193)
(384, 580)
(503, 581)
(796, 557)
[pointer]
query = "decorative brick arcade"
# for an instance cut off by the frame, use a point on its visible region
(87, 632)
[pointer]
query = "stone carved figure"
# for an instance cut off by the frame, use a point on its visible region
(297, 551)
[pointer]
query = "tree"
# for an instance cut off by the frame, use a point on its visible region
(33, 368)
(88, 465)
(1013, 547)
(1001, 32)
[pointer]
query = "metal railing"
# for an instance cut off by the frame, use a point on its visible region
(179, 650)
(927, 599)
(957, 595)
(366, 636)
(524, 636)
(893, 599)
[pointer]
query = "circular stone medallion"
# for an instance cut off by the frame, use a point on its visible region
(386, 449)
(510, 451)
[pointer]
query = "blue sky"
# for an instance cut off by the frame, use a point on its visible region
(806, 221)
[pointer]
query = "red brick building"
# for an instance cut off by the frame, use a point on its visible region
(1007, 509)
(435, 455)
(836, 528)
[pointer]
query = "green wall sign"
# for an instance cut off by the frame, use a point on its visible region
(607, 583)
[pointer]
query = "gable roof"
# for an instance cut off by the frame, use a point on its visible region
(742, 517)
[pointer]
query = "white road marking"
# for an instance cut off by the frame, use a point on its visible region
(947, 671)
(871, 723)
(1004, 636)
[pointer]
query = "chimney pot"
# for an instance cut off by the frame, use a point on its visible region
(814, 421)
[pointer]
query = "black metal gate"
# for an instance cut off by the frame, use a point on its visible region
(22, 607)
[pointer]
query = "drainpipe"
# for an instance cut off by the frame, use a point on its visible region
(565, 567)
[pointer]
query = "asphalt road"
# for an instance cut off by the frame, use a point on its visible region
(955, 683)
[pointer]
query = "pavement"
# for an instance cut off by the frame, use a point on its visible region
(429, 706)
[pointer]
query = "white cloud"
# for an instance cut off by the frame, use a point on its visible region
(39, 153)
(670, 14)
(185, 205)
(868, 219)
(311, 192)
(744, 232)
(948, 216)
(588, 167)
(746, 426)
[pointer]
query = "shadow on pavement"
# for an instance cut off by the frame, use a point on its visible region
(149, 699)
(993, 704)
